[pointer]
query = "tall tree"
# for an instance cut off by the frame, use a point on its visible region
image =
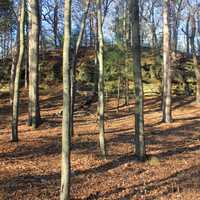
(75, 56)
(15, 55)
(167, 117)
(187, 35)
(194, 55)
(101, 79)
(52, 9)
(126, 48)
(176, 11)
(139, 107)
(34, 116)
(66, 123)
(15, 114)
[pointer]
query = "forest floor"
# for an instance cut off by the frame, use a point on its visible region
(30, 170)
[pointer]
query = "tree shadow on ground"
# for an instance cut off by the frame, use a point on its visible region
(30, 185)
(45, 146)
(176, 183)
(181, 101)
(160, 139)
(27, 150)
(187, 179)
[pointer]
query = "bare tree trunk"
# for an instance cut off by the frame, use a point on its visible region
(153, 26)
(29, 122)
(126, 34)
(187, 36)
(167, 118)
(195, 61)
(73, 67)
(118, 92)
(15, 114)
(55, 24)
(101, 79)
(91, 32)
(15, 56)
(139, 107)
(176, 9)
(34, 64)
(12, 75)
(26, 67)
(96, 75)
(66, 123)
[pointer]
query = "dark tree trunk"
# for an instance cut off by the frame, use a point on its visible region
(139, 107)
(55, 24)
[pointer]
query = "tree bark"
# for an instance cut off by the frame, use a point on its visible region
(101, 79)
(34, 64)
(126, 35)
(118, 92)
(55, 23)
(176, 23)
(187, 36)
(167, 118)
(73, 67)
(66, 123)
(195, 61)
(15, 56)
(15, 114)
(139, 107)
(12, 75)
(26, 63)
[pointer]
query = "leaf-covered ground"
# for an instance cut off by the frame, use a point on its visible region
(30, 170)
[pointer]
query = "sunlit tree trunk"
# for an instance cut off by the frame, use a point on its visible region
(96, 75)
(167, 117)
(66, 125)
(15, 114)
(139, 107)
(101, 79)
(26, 67)
(34, 64)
